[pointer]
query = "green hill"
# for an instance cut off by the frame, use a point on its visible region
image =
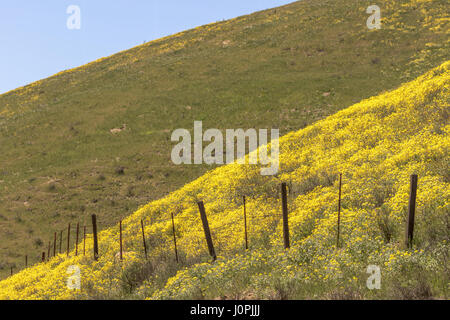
(376, 145)
(282, 68)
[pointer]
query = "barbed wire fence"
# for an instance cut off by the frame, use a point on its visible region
(211, 235)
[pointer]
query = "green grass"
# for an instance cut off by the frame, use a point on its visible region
(59, 161)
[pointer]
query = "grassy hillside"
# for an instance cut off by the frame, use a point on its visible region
(376, 144)
(282, 68)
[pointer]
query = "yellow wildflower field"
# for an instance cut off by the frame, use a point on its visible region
(376, 145)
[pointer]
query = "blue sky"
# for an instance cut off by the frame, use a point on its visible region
(36, 43)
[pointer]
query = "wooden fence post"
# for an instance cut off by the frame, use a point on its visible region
(60, 241)
(174, 238)
(84, 241)
(48, 252)
(143, 238)
(54, 245)
(26, 261)
(68, 239)
(245, 225)
(206, 229)
(11, 271)
(411, 211)
(94, 232)
(339, 211)
(76, 241)
(43, 256)
(120, 231)
(285, 216)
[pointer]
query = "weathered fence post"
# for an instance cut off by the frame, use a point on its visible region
(76, 241)
(11, 271)
(120, 231)
(26, 261)
(94, 232)
(174, 238)
(245, 225)
(54, 245)
(411, 211)
(43, 256)
(48, 250)
(339, 211)
(285, 216)
(206, 229)
(143, 238)
(84, 241)
(68, 239)
(60, 241)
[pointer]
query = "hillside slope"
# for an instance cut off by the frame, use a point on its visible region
(376, 144)
(283, 68)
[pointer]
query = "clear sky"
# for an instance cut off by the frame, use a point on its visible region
(36, 42)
